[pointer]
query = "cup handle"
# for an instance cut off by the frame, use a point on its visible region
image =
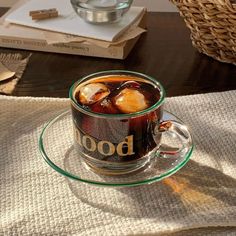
(178, 132)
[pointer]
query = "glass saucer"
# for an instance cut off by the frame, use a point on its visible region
(56, 147)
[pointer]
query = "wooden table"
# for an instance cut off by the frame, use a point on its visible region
(164, 52)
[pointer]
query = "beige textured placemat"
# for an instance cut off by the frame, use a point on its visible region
(14, 63)
(200, 199)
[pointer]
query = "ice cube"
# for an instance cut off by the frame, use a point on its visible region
(105, 106)
(131, 84)
(91, 93)
(130, 101)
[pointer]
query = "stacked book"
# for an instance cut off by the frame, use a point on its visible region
(68, 33)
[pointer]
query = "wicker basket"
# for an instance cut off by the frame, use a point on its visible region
(213, 26)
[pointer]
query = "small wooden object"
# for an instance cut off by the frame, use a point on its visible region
(44, 14)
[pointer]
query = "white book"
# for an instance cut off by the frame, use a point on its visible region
(69, 22)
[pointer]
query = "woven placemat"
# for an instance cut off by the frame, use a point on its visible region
(200, 199)
(13, 63)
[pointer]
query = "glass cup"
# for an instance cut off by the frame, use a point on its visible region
(101, 11)
(117, 144)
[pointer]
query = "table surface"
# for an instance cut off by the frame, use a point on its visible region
(165, 52)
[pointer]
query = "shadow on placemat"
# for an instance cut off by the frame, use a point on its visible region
(16, 63)
(205, 231)
(194, 190)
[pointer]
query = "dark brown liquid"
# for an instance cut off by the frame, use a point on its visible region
(118, 86)
(140, 128)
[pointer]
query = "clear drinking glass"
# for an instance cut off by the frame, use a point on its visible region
(101, 11)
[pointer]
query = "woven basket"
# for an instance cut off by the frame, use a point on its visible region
(213, 26)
